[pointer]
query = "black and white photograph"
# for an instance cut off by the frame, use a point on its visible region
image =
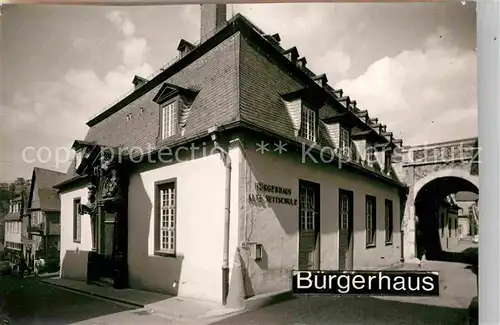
(176, 164)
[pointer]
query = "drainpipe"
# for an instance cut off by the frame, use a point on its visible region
(402, 258)
(227, 211)
(403, 196)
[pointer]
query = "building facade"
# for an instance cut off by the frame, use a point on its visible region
(236, 149)
(13, 223)
(468, 213)
(42, 239)
(2, 233)
(449, 222)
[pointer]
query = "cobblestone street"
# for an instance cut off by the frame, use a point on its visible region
(457, 288)
(27, 301)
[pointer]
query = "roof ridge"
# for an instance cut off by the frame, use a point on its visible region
(49, 170)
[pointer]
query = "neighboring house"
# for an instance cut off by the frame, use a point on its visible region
(235, 147)
(449, 222)
(467, 223)
(2, 233)
(43, 216)
(13, 228)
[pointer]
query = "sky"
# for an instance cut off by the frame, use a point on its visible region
(412, 65)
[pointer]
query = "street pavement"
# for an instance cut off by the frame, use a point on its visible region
(28, 301)
(457, 288)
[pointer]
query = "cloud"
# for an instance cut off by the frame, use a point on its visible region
(423, 95)
(335, 63)
(122, 22)
(133, 49)
(52, 114)
(80, 43)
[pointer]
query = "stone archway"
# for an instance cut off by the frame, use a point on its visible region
(433, 224)
(420, 165)
(456, 173)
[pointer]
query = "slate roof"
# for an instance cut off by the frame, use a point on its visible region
(239, 80)
(48, 197)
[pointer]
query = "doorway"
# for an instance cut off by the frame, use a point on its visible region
(105, 249)
(346, 225)
(309, 225)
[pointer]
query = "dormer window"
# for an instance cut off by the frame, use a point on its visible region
(321, 80)
(292, 54)
(184, 48)
(174, 105)
(169, 119)
(308, 124)
(78, 158)
(129, 117)
(139, 81)
(302, 106)
(387, 161)
(371, 157)
(301, 63)
(344, 141)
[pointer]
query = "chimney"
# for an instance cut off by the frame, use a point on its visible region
(213, 17)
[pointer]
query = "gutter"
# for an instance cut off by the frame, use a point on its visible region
(231, 125)
(403, 196)
(213, 132)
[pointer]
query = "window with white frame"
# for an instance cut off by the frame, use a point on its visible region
(308, 124)
(387, 161)
(77, 221)
(78, 158)
(344, 211)
(169, 120)
(166, 218)
(371, 221)
(36, 218)
(389, 221)
(371, 157)
(307, 208)
(344, 142)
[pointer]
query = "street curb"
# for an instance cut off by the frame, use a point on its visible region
(122, 301)
(267, 299)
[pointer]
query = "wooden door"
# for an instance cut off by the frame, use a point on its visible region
(346, 238)
(105, 249)
(309, 226)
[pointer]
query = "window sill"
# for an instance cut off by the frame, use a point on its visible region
(77, 241)
(308, 142)
(388, 243)
(369, 246)
(164, 254)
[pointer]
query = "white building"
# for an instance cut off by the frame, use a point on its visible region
(14, 228)
(235, 145)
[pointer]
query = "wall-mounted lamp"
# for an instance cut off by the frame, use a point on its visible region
(213, 133)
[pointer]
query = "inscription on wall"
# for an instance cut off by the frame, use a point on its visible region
(266, 193)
